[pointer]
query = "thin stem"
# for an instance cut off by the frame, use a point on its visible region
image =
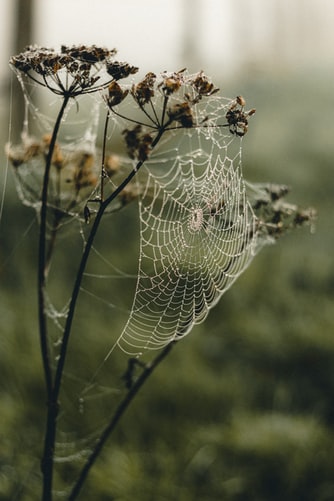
(52, 242)
(164, 108)
(47, 459)
(155, 114)
(42, 254)
(103, 172)
(57, 216)
(124, 404)
(133, 120)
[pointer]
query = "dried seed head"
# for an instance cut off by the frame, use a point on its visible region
(171, 82)
(73, 70)
(88, 54)
(144, 90)
(22, 154)
(203, 86)
(120, 70)
(138, 143)
(237, 118)
(84, 175)
(112, 165)
(182, 113)
(115, 94)
(240, 101)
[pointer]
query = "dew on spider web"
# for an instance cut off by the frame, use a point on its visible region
(198, 234)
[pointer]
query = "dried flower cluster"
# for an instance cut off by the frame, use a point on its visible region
(276, 215)
(138, 142)
(237, 117)
(73, 70)
(75, 172)
(143, 91)
(167, 102)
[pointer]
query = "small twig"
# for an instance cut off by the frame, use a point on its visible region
(103, 172)
(128, 376)
(124, 404)
(42, 253)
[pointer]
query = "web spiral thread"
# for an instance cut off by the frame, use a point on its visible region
(198, 234)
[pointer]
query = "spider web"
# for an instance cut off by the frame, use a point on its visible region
(198, 231)
(197, 235)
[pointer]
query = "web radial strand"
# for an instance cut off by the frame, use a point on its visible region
(198, 234)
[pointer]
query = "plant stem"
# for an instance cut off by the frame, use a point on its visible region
(105, 133)
(53, 406)
(124, 404)
(53, 236)
(47, 459)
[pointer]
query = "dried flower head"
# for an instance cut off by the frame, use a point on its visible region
(182, 113)
(237, 118)
(115, 94)
(275, 214)
(73, 70)
(203, 86)
(84, 174)
(120, 70)
(112, 165)
(138, 143)
(171, 82)
(23, 153)
(144, 90)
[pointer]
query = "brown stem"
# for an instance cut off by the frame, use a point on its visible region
(124, 404)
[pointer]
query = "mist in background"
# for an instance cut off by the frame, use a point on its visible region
(220, 36)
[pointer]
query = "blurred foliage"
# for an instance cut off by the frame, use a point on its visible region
(243, 408)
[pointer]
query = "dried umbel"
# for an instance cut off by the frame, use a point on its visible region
(73, 70)
(237, 117)
(170, 101)
(203, 85)
(275, 215)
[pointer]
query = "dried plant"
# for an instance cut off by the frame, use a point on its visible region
(216, 206)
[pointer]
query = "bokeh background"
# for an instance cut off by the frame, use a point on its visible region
(243, 408)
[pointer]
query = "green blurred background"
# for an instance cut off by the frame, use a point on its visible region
(243, 408)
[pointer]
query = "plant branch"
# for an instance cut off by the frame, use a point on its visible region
(42, 253)
(47, 459)
(103, 173)
(124, 404)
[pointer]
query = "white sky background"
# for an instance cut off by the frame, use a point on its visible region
(217, 36)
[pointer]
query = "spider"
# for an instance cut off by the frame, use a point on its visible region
(237, 118)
